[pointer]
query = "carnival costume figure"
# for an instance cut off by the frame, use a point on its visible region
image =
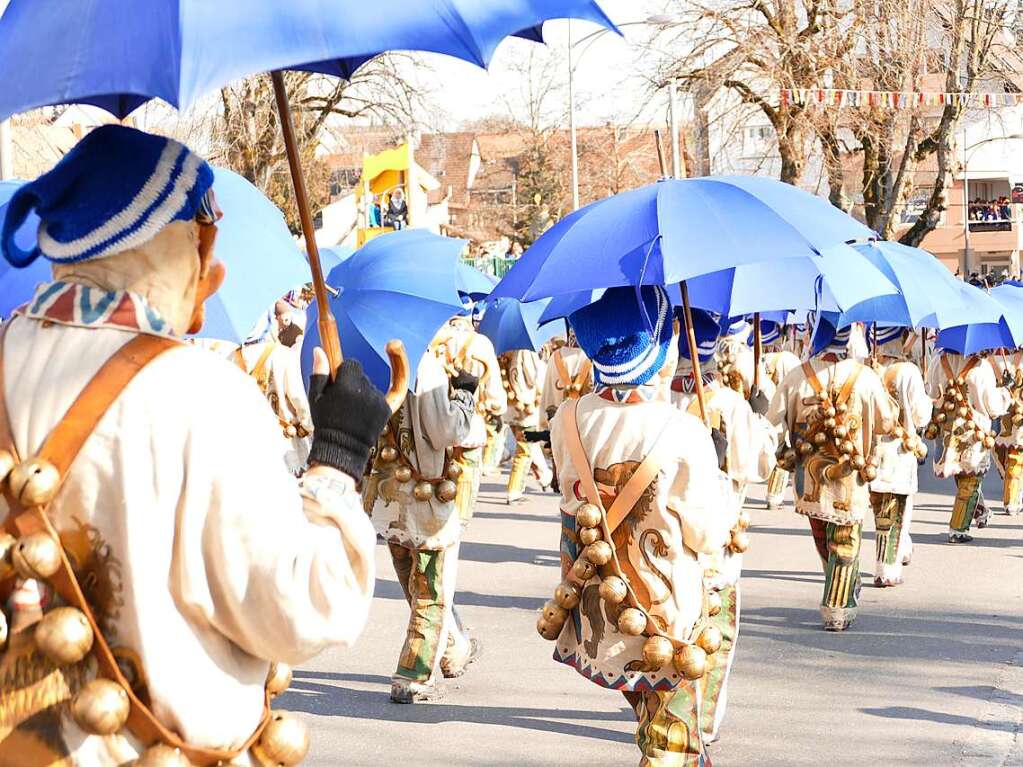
(899, 456)
(735, 356)
(1009, 442)
(775, 364)
(411, 494)
(748, 455)
(832, 410)
(523, 373)
(642, 497)
(967, 399)
(152, 521)
(569, 376)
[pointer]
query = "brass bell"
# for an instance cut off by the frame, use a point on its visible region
(963, 411)
(278, 679)
(949, 406)
(588, 515)
(989, 442)
(932, 431)
(548, 631)
(34, 482)
(690, 661)
(511, 395)
(958, 395)
(847, 447)
(454, 471)
(631, 622)
(941, 417)
(858, 462)
(101, 707)
(37, 555)
(7, 464)
(590, 535)
(162, 755)
(830, 423)
(869, 474)
(388, 454)
(830, 412)
(613, 589)
(64, 635)
(599, 553)
(657, 651)
(583, 569)
(7, 544)
(805, 448)
(740, 541)
(553, 612)
(284, 742)
(710, 639)
(820, 438)
(841, 408)
(403, 474)
(423, 491)
(446, 491)
(714, 603)
(567, 595)
(841, 431)
(921, 450)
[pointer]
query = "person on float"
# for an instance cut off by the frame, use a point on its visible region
(201, 557)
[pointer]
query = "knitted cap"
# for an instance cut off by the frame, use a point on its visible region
(114, 191)
(770, 331)
(735, 326)
(706, 330)
(884, 336)
(626, 334)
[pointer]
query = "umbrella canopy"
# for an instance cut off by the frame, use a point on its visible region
(334, 255)
(928, 296)
(401, 286)
(472, 283)
(675, 230)
(511, 325)
(969, 337)
(118, 54)
(17, 286)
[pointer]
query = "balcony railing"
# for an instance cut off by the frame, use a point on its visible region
(991, 225)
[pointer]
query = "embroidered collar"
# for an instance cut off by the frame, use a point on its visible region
(70, 303)
(628, 395)
(686, 384)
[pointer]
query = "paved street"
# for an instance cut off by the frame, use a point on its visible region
(931, 673)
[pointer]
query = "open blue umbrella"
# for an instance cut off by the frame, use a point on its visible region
(472, 283)
(978, 332)
(675, 230)
(512, 325)
(334, 255)
(400, 285)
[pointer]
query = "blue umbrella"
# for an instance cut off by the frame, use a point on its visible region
(971, 335)
(675, 230)
(118, 54)
(400, 285)
(472, 283)
(511, 325)
(17, 286)
(334, 255)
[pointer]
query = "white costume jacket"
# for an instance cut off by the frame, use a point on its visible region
(554, 392)
(897, 467)
(526, 372)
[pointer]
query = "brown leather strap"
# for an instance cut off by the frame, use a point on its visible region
(559, 365)
(847, 387)
(583, 376)
(61, 448)
(812, 379)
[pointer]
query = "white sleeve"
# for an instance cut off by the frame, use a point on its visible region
(700, 494)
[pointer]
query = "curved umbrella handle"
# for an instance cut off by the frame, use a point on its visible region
(399, 375)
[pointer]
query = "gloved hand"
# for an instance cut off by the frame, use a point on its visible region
(538, 436)
(758, 401)
(465, 382)
(720, 445)
(348, 415)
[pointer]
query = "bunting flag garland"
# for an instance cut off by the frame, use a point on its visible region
(841, 97)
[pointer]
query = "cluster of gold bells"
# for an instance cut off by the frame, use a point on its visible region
(64, 635)
(390, 461)
(952, 418)
(690, 660)
(525, 408)
(730, 373)
(831, 429)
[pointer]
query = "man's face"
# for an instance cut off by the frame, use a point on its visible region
(211, 275)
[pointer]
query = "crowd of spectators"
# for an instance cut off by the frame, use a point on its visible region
(990, 210)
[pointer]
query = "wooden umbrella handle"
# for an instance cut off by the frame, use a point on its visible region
(758, 350)
(399, 375)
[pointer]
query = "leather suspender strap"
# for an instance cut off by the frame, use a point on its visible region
(847, 388)
(239, 360)
(61, 448)
(951, 375)
(559, 364)
(811, 378)
(584, 373)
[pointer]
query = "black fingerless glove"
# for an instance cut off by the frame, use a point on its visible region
(465, 382)
(348, 415)
(538, 436)
(720, 445)
(758, 401)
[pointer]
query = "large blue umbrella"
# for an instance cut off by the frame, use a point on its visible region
(401, 286)
(978, 331)
(334, 255)
(512, 325)
(675, 230)
(118, 54)
(472, 283)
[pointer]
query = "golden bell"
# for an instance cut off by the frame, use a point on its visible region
(657, 651)
(599, 553)
(7, 544)
(710, 639)
(567, 595)
(583, 569)
(989, 442)
(830, 412)
(613, 589)
(949, 406)
(284, 742)
(858, 462)
(631, 622)
(423, 491)
(830, 423)
(690, 661)
(740, 541)
(941, 417)
(588, 515)
(37, 555)
(278, 679)
(34, 482)
(454, 471)
(963, 411)
(547, 630)
(446, 491)
(921, 451)
(820, 438)
(841, 408)
(847, 447)
(388, 454)
(958, 395)
(932, 431)
(162, 755)
(101, 707)
(64, 635)
(7, 464)
(553, 612)
(841, 432)
(403, 474)
(714, 603)
(590, 535)
(805, 448)
(869, 474)
(511, 395)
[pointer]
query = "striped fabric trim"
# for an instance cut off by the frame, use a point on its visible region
(68, 303)
(629, 395)
(641, 682)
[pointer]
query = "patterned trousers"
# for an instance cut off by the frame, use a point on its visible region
(492, 450)
(528, 456)
(1009, 460)
(966, 503)
(714, 686)
(839, 550)
(889, 518)
(468, 482)
(427, 579)
(668, 734)
(776, 484)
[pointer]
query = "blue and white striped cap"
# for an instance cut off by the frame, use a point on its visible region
(113, 192)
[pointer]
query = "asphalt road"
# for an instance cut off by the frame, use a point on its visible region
(930, 674)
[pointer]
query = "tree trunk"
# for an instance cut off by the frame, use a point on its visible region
(832, 152)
